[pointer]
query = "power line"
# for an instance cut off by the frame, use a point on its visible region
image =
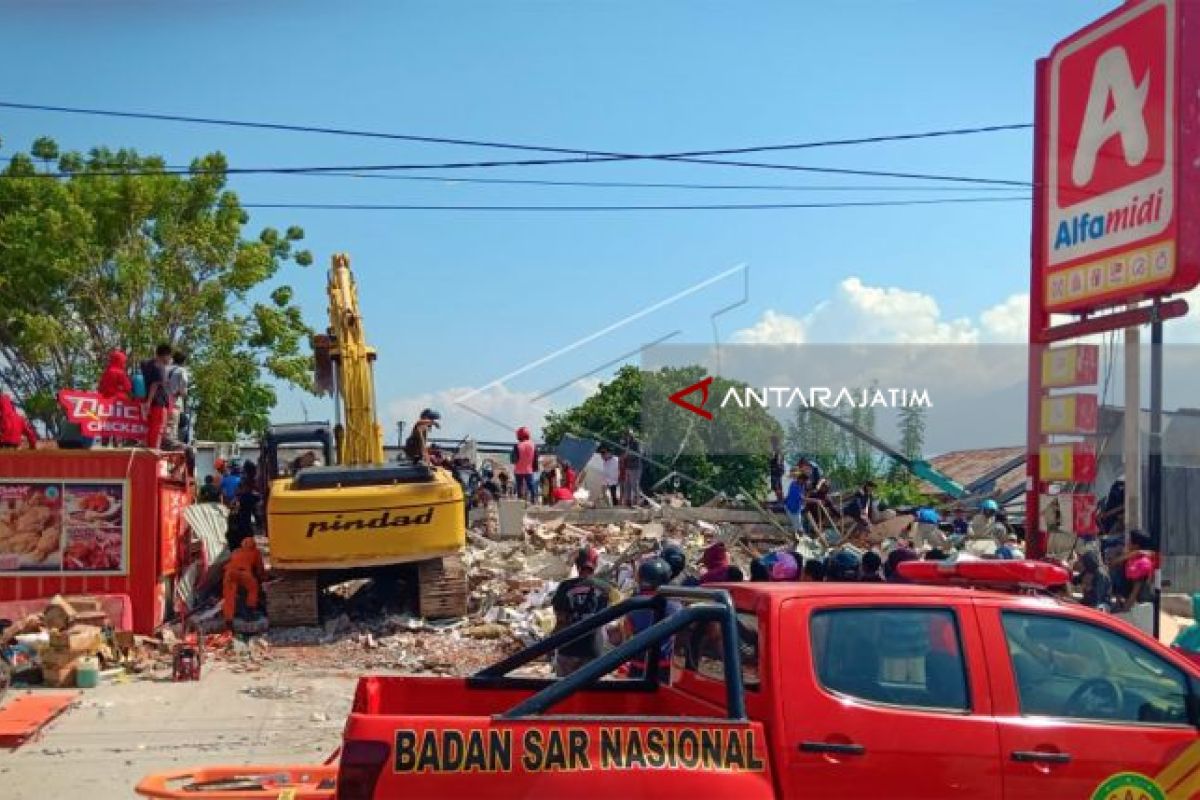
(407, 137)
(379, 168)
(577, 156)
(714, 207)
(656, 185)
(455, 179)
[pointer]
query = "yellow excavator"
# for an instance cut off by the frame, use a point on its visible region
(356, 515)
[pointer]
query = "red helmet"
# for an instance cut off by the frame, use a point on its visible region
(522, 433)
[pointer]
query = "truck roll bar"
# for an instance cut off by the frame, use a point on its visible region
(708, 605)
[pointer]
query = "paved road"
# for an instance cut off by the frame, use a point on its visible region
(120, 732)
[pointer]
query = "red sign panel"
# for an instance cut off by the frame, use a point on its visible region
(97, 416)
(1111, 200)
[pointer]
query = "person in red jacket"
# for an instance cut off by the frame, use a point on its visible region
(115, 383)
(13, 425)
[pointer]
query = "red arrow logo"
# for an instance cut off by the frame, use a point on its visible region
(700, 386)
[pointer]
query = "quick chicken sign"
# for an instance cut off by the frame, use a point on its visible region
(1114, 203)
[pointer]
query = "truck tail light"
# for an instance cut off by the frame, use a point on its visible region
(362, 763)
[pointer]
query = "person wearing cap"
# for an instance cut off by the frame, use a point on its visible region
(717, 566)
(1011, 549)
(416, 446)
(575, 600)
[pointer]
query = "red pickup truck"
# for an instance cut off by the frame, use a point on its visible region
(926, 691)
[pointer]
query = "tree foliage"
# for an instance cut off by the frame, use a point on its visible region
(114, 253)
(728, 454)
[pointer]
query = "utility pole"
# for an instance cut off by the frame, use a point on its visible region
(1154, 494)
(1132, 443)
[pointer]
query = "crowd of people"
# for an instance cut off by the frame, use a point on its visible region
(235, 486)
(1110, 574)
(161, 385)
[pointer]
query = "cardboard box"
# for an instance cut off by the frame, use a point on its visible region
(59, 677)
(59, 614)
(80, 638)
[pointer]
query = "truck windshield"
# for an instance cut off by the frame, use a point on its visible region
(698, 649)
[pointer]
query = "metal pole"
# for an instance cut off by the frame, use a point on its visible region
(1154, 494)
(1132, 445)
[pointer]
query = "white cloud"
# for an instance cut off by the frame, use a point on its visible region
(587, 386)
(492, 414)
(891, 314)
(860, 313)
(773, 328)
(1008, 321)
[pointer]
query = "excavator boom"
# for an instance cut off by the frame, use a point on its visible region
(361, 441)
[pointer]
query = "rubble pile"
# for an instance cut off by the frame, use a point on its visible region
(71, 643)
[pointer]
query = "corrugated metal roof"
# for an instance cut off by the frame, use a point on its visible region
(966, 466)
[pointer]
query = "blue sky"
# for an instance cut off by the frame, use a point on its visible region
(456, 299)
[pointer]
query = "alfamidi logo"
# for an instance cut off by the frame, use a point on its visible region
(786, 397)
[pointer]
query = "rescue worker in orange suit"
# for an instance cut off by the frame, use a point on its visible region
(244, 570)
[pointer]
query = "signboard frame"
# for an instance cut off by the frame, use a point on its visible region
(66, 528)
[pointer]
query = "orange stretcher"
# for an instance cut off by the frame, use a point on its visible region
(303, 782)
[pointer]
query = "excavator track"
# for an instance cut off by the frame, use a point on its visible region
(442, 588)
(292, 599)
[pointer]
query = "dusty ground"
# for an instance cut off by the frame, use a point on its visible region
(120, 732)
(286, 705)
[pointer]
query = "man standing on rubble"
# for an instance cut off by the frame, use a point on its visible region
(776, 468)
(575, 600)
(524, 456)
(611, 469)
(631, 471)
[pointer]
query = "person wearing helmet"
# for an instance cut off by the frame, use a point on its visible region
(575, 600)
(985, 533)
(928, 533)
(780, 566)
(525, 457)
(652, 574)
(677, 560)
(843, 567)
(891, 571)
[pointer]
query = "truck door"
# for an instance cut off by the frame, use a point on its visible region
(1087, 710)
(886, 699)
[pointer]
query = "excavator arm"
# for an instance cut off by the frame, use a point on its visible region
(920, 468)
(360, 441)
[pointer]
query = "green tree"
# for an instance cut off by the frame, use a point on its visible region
(727, 454)
(115, 253)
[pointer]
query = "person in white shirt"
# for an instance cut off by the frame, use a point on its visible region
(612, 473)
(177, 390)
